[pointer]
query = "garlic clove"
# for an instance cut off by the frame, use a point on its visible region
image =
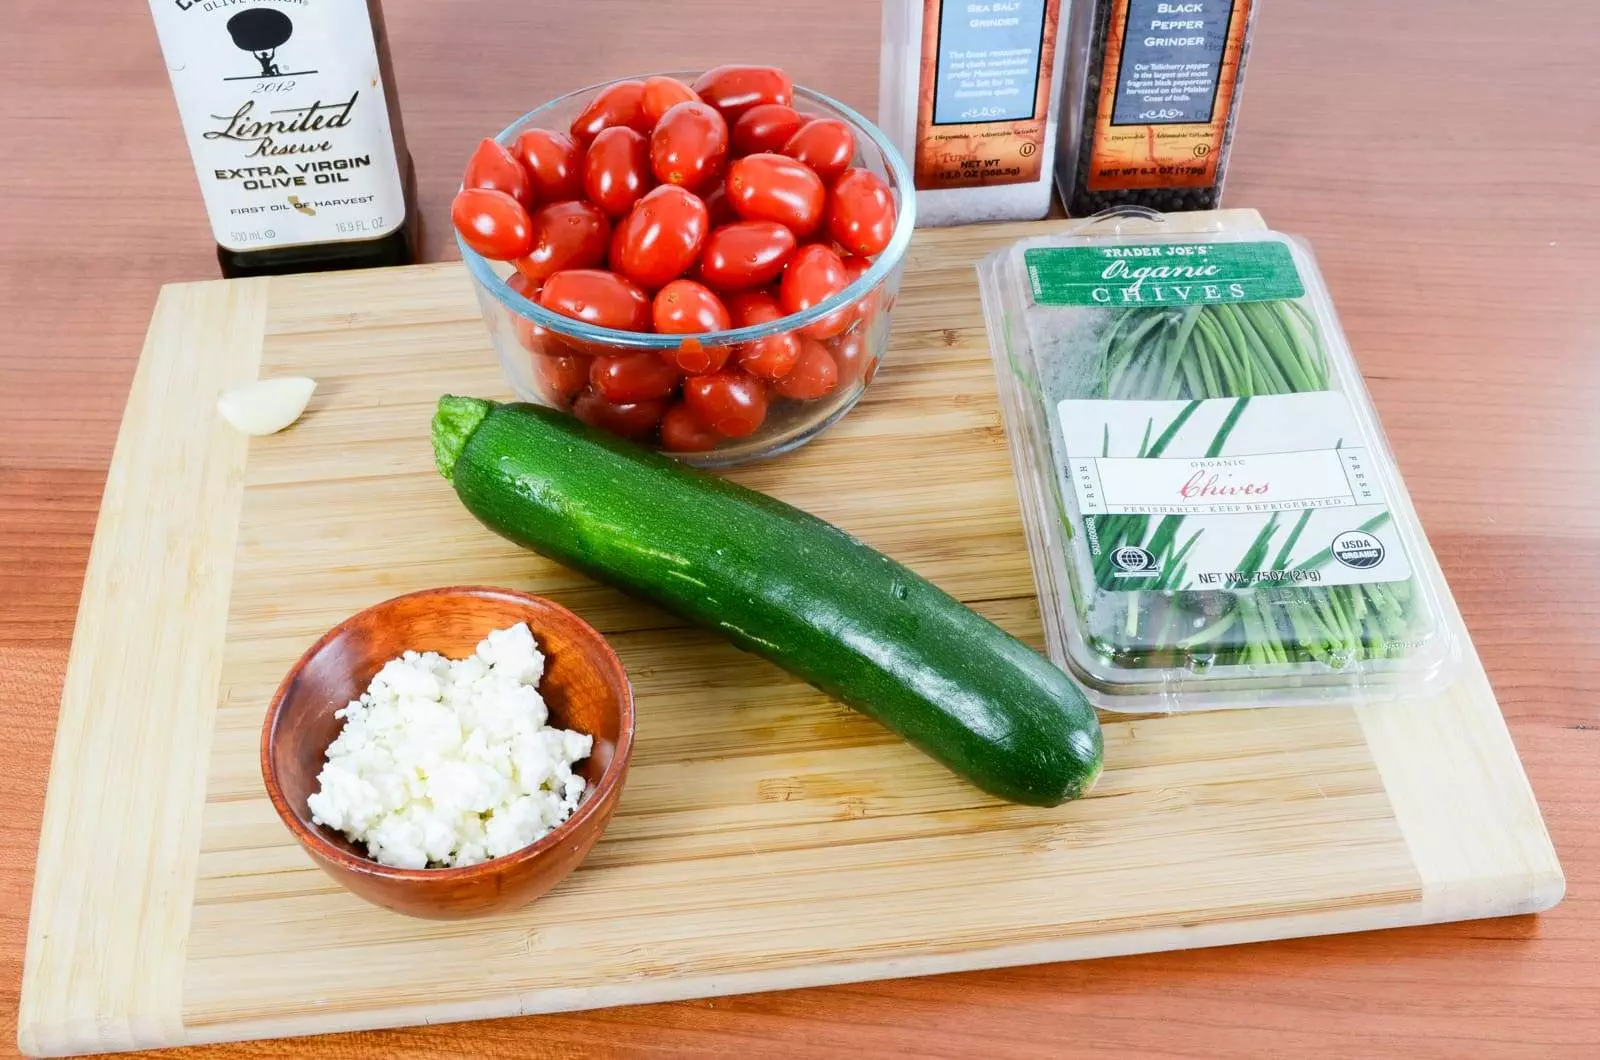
(266, 406)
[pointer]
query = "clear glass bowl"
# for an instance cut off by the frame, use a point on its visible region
(522, 330)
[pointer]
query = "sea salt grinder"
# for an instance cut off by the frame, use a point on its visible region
(968, 93)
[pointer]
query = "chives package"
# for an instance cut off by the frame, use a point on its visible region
(1214, 515)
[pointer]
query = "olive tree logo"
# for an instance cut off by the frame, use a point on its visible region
(261, 31)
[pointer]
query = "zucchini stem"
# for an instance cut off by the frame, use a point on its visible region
(453, 423)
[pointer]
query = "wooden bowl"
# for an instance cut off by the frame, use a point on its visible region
(584, 686)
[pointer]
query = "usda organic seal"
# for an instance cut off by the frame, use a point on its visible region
(1358, 549)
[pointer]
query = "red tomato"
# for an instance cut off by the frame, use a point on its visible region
(753, 307)
(616, 171)
(769, 187)
(661, 94)
(745, 254)
(566, 235)
(684, 307)
(492, 166)
(861, 212)
(660, 237)
(735, 89)
(764, 127)
(850, 353)
(633, 420)
(533, 338)
(689, 145)
(731, 403)
(717, 205)
(814, 376)
(826, 145)
(681, 433)
(492, 223)
(524, 285)
(771, 357)
(554, 163)
(562, 377)
(812, 276)
(855, 266)
(624, 378)
(597, 297)
(621, 103)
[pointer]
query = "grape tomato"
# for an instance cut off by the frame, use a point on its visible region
(765, 127)
(632, 420)
(745, 254)
(861, 212)
(624, 378)
(855, 267)
(597, 297)
(661, 237)
(732, 404)
(813, 376)
(616, 171)
(717, 205)
(825, 144)
(735, 89)
(492, 166)
(689, 145)
(661, 94)
(771, 357)
(492, 223)
(684, 307)
(554, 163)
(562, 376)
(850, 354)
(813, 275)
(566, 235)
(772, 187)
(748, 308)
(618, 104)
(532, 337)
(682, 433)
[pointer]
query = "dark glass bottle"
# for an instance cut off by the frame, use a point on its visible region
(290, 112)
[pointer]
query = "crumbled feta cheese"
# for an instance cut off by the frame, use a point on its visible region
(445, 762)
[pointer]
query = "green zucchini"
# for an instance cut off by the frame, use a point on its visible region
(782, 584)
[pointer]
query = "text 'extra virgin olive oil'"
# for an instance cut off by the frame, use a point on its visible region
(290, 113)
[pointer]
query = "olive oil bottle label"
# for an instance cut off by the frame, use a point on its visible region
(984, 98)
(1166, 92)
(283, 107)
(1162, 274)
(1230, 493)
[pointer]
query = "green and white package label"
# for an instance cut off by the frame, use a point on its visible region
(1157, 274)
(1228, 493)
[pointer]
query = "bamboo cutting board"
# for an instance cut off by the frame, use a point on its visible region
(767, 836)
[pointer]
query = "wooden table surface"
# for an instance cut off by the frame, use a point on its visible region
(1441, 156)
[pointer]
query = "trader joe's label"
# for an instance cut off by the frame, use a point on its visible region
(1228, 493)
(283, 106)
(1152, 274)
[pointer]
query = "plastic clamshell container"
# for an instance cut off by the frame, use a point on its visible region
(1214, 515)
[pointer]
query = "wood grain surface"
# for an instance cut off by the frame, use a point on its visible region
(755, 804)
(1460, 134)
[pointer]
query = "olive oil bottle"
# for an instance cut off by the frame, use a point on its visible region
(290, 113)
